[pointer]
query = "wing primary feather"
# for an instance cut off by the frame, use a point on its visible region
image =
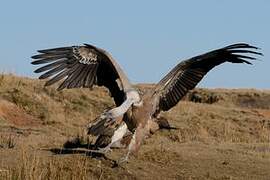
(56, 50)
(240, 60)
(80, 78)
(174, 96)
(245, 51)
(188, 80)
(183, 86)
(89, 81)
(56, 78)
(67, 80)
(49, 66)
(49, 56)
(193, 76)
(94, 77)
(74, 76)
(187, 84)
(45, 60)
(170, 98)
(246, 57)
(177, 91)
(180, 89)
(240, 45)
(88, 76)
(53, 71)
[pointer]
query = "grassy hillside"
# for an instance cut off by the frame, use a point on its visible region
(223, 134)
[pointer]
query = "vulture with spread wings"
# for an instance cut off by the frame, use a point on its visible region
(137, 114)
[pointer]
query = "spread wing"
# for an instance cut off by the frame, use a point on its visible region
(187, 74)
(82, 66)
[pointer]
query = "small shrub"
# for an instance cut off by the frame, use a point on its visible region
(7, 142)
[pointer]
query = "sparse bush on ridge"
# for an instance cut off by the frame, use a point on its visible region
(7, 141)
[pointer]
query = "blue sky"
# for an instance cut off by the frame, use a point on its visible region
(147, 37)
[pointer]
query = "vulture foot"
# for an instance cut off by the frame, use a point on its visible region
(105, 150)
(123, 159)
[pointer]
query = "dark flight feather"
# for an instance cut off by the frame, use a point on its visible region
(187, 74)
(79, 66)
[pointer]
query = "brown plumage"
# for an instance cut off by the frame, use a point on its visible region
(85, 66)
(82, 66)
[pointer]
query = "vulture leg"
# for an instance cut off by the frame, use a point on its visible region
(117, 136)
(135, 142)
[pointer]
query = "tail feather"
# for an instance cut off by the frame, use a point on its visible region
(98, 127)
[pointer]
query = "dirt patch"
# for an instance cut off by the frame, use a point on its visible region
(13, 115)
(263, 112)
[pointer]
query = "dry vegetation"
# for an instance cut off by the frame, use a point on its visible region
(223, 134)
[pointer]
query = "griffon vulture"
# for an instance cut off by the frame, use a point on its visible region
(87, 65)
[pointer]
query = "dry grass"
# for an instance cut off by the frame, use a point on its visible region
(223, 134)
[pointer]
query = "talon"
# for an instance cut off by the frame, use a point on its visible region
(105, 150)
(109, 121)
(122, 160)
(109, 114)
